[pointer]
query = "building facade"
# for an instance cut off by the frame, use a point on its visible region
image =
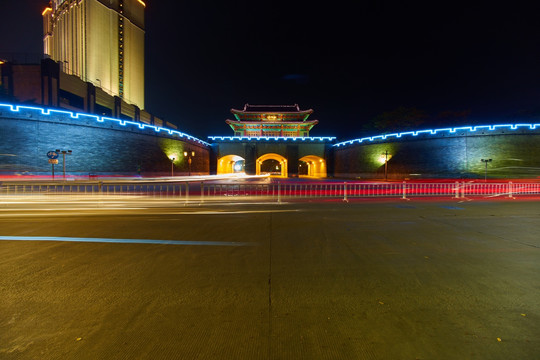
(45, 84)
(101, 42)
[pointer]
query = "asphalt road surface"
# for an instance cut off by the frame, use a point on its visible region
(143, 279)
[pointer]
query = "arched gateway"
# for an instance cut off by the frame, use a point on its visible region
(272, 164)
(312, 166)
(230, 164)
(272, 139)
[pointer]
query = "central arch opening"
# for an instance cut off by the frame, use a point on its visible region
(272, 164)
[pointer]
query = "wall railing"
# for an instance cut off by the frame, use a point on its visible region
(205, 191)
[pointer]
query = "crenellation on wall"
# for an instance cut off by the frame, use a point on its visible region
(467, 131)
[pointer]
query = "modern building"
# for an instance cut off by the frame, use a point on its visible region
(45, 84)
(94, 62)
(271, 120)
(100, 42)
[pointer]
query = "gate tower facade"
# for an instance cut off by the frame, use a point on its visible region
(272, 139)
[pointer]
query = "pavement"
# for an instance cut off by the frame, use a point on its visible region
(388, 279)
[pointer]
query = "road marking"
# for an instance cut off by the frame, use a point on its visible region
(405, 206)
(126, 241)
(230, 212)
(72, 209)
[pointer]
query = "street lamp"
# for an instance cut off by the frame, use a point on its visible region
(64, 153)
(385, 154)
(172, 165)
(486, 161)
(189, 155)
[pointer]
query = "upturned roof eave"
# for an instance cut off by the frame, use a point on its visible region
(229, 121)
(304, 112)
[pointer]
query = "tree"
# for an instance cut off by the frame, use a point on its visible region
(399, 119)
(452, 118)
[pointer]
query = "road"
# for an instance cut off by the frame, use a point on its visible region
(147, 279)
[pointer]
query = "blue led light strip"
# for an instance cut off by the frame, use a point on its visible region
(102, 119)
(125, 241)
(275, 138)
(442, 130)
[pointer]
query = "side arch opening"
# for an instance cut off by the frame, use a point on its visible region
(230, 164)
(312, 166)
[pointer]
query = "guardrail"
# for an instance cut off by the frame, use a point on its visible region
(274, 191)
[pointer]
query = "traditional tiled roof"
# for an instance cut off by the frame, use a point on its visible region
(271, 113)
(285, 126)
(271, 108)
(259, 123)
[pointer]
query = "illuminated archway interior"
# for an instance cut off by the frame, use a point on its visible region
(312, 166)
(230, 164)
(273, 164)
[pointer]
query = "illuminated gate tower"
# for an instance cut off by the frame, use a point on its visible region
(271, 120)
(272, 139)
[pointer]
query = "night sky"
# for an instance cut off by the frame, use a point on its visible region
(451, 63)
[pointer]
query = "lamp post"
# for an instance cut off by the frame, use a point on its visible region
(385, 165)
(189, 155)
(64, 153)
(486, 161)
(172, 165)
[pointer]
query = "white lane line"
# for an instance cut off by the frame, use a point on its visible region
(126, 241)
(230, 212)
(73, 209)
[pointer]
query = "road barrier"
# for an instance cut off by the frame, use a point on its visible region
(273, 191)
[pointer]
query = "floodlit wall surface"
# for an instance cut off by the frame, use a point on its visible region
(99, 147)
(102, 47)
(514, 154)
(134, 65)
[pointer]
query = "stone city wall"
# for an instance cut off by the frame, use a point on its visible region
(514, 150)
(99, 145)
